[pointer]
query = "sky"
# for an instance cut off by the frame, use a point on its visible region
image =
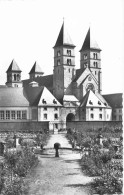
(29, 30)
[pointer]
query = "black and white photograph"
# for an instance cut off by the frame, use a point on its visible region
(61, 97)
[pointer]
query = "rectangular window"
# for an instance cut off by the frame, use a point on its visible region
(56, 126)
(7, 114)
(45, 116)
(13, 114)
(18, 114)
(100, 116)
(119, 110)
(24, 114)
(91, 108)
(91, 115)
(55, 108)
(1, 115)
(100, 109)
(55, 116)
(45, 108)
(120, 118)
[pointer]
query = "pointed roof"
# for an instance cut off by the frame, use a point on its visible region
(90, 42)
(64, 38)
(36, 69)
(93, 100)
(13, 67)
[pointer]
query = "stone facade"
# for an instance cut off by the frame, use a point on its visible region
(69, 94)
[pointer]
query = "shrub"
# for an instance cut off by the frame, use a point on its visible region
(107, 184)
(16, 187)
(16, 166)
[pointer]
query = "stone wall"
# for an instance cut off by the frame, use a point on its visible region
(23, 126)
(94, 125)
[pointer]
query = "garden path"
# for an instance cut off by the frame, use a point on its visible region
(58, 176)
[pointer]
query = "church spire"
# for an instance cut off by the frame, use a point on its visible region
(14, 75)
(35, 71)
(90, 42)
(63, 37)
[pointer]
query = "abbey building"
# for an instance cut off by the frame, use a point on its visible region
(69, 94)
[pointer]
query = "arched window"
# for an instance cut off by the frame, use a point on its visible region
(69, 61)
(14, 77)
(18, 77)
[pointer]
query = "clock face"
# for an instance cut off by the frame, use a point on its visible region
(90, 86)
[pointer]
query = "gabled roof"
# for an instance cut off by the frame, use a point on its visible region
(36, 69)
(47, 99)
(13, 67)
(93, 100)
(64, 38)
(89, 42)
(81, 76)
(115, 100)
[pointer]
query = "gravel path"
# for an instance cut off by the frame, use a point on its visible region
(58, 176)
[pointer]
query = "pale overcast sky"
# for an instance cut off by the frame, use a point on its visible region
(29, 29)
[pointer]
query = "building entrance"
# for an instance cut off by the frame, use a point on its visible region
(70, 117)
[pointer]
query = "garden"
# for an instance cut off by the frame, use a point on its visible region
(18, 160)
(101, 158)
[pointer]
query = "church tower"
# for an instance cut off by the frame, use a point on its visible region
(90, 57)
(64, 64)
(35, 71)
(14, 75)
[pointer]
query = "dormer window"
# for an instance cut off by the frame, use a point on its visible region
(99, 102)
(58, 53)
(90, 102)
(85, 56)
(105, 104)
(54, 101)
(69, 61)
(44, 101)
(68, 52)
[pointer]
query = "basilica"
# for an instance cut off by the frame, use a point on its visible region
(69, 94)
